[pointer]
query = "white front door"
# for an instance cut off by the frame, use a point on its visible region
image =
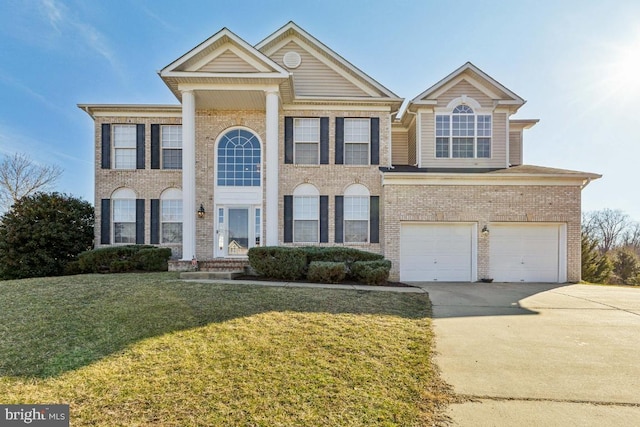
(237, 230)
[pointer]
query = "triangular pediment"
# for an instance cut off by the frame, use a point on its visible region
(468, 80)
(224, 52)
(317, 70)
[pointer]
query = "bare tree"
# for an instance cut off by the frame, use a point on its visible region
(20, 176)
(607, 226)
(631, 236)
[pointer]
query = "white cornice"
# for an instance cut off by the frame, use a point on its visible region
(478, 179)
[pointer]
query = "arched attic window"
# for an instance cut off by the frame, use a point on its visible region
(463, 134)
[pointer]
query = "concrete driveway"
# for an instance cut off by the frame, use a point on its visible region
(539, 354)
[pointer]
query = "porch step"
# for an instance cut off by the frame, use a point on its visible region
(223, 265)
(211, 275)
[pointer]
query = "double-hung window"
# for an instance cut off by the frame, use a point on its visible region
(356, 219)
(124, 146)
(306, 141)
(124, 221)
(306, 221)
(463, 134)
(357, 137)
(171, 221)
(171, 140)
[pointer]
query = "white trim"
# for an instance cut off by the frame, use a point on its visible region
(449, 85)
(298, 107)
(475, 179)
(225, 32)
(123, 193)
(229, 47)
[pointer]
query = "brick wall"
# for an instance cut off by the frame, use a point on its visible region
(482, 204)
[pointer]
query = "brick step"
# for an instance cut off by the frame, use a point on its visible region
(210, 275)
(223, 265)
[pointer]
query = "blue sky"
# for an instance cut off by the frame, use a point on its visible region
(575, 62)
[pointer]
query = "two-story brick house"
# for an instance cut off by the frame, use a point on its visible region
(287, 143)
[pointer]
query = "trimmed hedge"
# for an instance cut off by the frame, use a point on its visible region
(278, 262)
(120, 259)
(326, 272)
(339, 254)
(319, 264)
(371, 272)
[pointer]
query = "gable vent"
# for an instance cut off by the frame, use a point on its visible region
(291, 59)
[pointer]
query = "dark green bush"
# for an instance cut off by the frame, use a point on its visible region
(338, 254)
(326, 272)
(371, 272)
(119, 259)
(153, 259)
(278, 262)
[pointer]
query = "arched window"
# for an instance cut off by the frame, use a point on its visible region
(171, 216)
(124, 215)
(239, 159)
(356, 214)
(306, 214)
(463, 134)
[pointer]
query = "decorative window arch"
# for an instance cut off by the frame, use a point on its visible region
(239, 159)
(306, 214)
(356, 214)
(463, 133)
(171, 216)
(124, 215)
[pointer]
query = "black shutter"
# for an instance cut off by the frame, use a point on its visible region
(288, 219)
(105, 222)
(155, 147)
(339, 140)
(374, 219)
(324, 140)
(324, 219)
(375, 141)
(288, 140)
(106, 146)
(139, 221)
(155, 221)
(139, 146)
(339, 219)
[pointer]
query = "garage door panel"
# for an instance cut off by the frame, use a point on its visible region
(436, 252)
(525, 253)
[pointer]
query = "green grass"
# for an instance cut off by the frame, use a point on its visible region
(146, 349)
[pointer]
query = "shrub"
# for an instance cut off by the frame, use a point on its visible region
(278, 262)
(339, 254)
(42, 233)
(326, 272)
(119, 259)
(371, 272)
(153, 259)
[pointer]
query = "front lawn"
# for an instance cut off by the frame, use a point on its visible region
(146, 349)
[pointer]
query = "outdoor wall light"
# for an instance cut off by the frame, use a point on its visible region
(485, 231)
(201, 211)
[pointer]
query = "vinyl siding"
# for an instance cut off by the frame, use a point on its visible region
(515, 148)
(464, 88)
(498, 145)
(399, 147)
(228, 62)
(314, 78)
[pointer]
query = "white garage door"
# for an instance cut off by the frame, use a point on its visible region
(437, 252)
(527, 253)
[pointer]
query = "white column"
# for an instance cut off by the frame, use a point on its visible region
(271, 163)
(188, 175)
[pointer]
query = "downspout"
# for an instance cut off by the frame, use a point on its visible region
(391, 114)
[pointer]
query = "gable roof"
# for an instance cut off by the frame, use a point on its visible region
(475, 76)
(292, 31)
(206, 62)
